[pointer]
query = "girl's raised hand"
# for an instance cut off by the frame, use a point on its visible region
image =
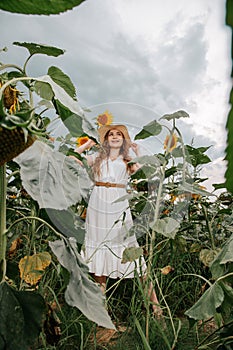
(90, 143)
(135, 148)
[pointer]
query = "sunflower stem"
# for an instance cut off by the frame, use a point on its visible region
(3, 186)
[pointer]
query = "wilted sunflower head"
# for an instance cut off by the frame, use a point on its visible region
(104, 119)
(170, 142)
(10, 100)
(81, 140)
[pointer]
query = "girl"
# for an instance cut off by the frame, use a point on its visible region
(108, 221)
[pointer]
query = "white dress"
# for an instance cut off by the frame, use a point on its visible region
(107, 226)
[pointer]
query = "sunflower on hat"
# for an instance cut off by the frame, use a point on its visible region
(105, 118)
(105, 124)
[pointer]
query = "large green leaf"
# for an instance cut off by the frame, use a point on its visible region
(207, 305)
(151, 129)
(52, 179)
(21, 317)
(71, 120)
(81, 292)
(34, 48)
(229, 152)
(63, 80)
(44, 90)
(131, 254)
(226, 254)
(68, 223)
(218, 266)
(229, 13)
(70, 108)
(229, 124)
(193, 188)
(151, 160)
(166, 226)
(175, 115)
(42, 7)
(228, 297)
(196, 156)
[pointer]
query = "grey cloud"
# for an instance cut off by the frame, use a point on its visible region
(114, 70)
(182, 64)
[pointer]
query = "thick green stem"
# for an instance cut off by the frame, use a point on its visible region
(211, 236)
(152, 240)
(2, 222)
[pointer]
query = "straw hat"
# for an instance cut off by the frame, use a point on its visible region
(122, 128)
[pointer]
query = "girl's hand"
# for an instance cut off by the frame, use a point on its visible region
(90, 143)
(87, 145)
(135, 148)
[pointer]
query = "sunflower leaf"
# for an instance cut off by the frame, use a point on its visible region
(52, 179)
(206, 306)
(34, 48)
(81, 292)
(130, 254)
(42, 7)
(151, 129)
(72, 121)
(62, 80)
(175, 115)
(21, 316)
(44, 90)
(166, 226)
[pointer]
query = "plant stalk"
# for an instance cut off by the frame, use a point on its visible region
(3, 187)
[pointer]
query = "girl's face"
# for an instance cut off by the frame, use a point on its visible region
(115, 138)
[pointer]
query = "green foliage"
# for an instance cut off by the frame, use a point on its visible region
(166, 226)
(206, 306)
(21, 317)
(175, 115)
(229, 123)
(63, 80)
(174, 220)
(34, 48)
(40, 164)
(196, 156)
(71, 120)
(43, 7)
(81, 292)
(151, 129)
(131, 254)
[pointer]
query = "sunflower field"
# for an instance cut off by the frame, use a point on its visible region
(47, 298)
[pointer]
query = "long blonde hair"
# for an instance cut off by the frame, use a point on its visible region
(104, 153)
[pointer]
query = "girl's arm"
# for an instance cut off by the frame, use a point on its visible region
(87, 145)
(135, 166)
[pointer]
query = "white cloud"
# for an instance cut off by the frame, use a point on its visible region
(139, 59)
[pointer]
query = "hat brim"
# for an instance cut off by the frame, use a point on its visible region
(104, 129)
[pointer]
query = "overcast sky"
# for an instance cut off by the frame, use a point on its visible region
(140, 60)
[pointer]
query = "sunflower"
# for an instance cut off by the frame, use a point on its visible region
(81, 140)
(197, 196)
(104, 119)
(170, 142)
(11, 100)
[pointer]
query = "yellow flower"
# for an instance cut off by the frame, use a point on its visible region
(104, 119)
(81, 140)
(170, 142)
(197, 196)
